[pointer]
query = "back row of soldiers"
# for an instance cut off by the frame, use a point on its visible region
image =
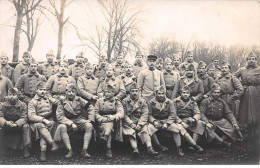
(189, 98)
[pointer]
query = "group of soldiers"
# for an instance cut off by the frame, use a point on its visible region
(50, 101)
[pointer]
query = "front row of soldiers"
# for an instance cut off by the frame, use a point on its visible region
(111, 118)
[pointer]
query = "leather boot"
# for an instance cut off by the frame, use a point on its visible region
(163, 148)
(54, 146)
(85, 154)
(227, 144)
(136, 152)
(26, 152)
(179, 151)
(152, 152)
(109, 153)
(43, 156)
(69, 154)
(198, 148)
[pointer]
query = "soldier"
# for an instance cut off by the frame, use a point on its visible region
(190, 60)
(119, 64)
(249, 103)
(205, 78)
(136, 120)
(182, 70)
(191, 80)
(188, 112)
(162, 116)
(216, 66)
(49, 67)
(78, 68)
(231, 88)
(100, 71)
(5, 85)
(170, 77)
(139, 63)
(7, 70)
(150, 79)
(176, 62)
(13, 121)
(71, 117)
(88, 85)
(159, 64)
(112, 80)
(22, 68)
(109, 112)
(41, 118)
(56, 85)
(211, 71)
(26, 84)
(218, 118)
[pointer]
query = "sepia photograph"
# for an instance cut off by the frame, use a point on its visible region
(129, 82)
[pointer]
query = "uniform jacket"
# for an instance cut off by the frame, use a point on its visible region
(138, 68)
(20, 69)
(128, 81)
(5, 85)
(8, 71)
(119, 68)
(48, 69)
(170, 78)
(76, 70)
(88, 86)
(100, 72)
(207, 83)
(195, 64)
(218, 72)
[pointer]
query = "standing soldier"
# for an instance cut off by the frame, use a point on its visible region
(7, 70)
(205, 78)
(22, 68)
(40, 116)
(100, 71)
(5, 85)
(176, 62)
(190, 60)
(49, 67)
(250, 102)
(218, 117)
(231, 88)
(56, 85)
(170, 77)
(77, 69)
(211, 71)
(13, 123)
(112, 80)
(216, 66)
(136, 120)
(150, 79)
(119, 64)
(159, 64)
(71, 117)
(88, 85)
(139, 64)
(26, 84)
(109, 112)
(191, 80)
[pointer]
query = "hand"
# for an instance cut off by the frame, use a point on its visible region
(205, 96)
(47, 122)
(8, 124)
(193, 98)
(236, 127)
(133, 125)
(104, 120)
(191, 120)
(164, 126)
(209, 125)
(111, 117)
(74, 127)
(156, 124)
(94, 97)
(62, 98)
(138, 128)
(184, 125)
(14, 125)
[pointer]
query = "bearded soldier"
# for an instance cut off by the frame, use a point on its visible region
(5, 85)
(49, 67)
(71, 117)
(216, 66)
(77, 69)
(159, 64)
(211, 71)
(190, 60)
(139, 64)
(119, 64)
(7, 70)
(22, 68)
(100, 70)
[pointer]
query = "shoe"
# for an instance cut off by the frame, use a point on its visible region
(54, 146)
(69, 154)
(198, 148)
(26, 152)
(43, 156)
(109, 153)
(136, 152)
(85, 154)
(163, 148)
(103, 140)
(152, 152)
(180, 151)
(191, 148)
(227, 144)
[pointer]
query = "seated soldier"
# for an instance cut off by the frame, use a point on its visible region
(70, 118)
(13, 121)
(136, 120)
(188, 114)
(5, 85)
(162, 116)
(218, 117)
(109, 112)
(41, 118)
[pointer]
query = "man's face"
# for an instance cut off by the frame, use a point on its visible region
(216, 62)
(41, 92)
(71, 93)
(108, 94)
(138, 58)
(190, 58)
(79, 59)
(161, 96)
(103, 63)
(50, 58)
(176, 62)
(26, 57)
(251, 60)
(120, 59)
(4, 60)
(168, 67)
(189, 73)
(211, 72)
(216, 94)
(151, 63)
(12, 96)
(63, 68)
(202, 70)
(185, 94)
(89, 71)
(110, 72)
(134, 94)
(33, 68)
(225, 70)
(159, 65)
(128, 69)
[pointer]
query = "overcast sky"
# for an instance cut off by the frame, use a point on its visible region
(225, 22)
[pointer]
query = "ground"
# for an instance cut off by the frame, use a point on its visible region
(245, 152)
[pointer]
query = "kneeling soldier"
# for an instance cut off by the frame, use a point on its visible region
(135, 120)
(13, 118)
(40, 117)
(70, 117)
(109, 112)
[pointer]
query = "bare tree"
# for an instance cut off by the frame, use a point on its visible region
(20, 12)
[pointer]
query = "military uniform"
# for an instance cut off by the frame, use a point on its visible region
(8, 71)
(119, 68)
(88, 86)
(185, 64)
(5, 85)
(128, 81)
(207, 83)
(27, 85)
(48, 69)
(76, 70)
(100, 72)
(138, 67)
(218, 72)
(170, 78)
(20, 69)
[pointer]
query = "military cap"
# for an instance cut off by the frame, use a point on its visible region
(161, 89)
(71, 86)
(216, 57)
(120, 53)
(168, 60)
(189, 53)
(50, 52)
(103, 57)
(133, 86)
(215, 87)
(3, 54)
(202, 64)
(151, 57)
(159, 60)
(176, 56)
(251, 54)
(210, 66)
(185, 88)
(88, 65)
(110, 88)
(80, 54)
(40, 85)
(27, 52)
(225, 63)
(13, 90)
(64, 62)
(138, 53)
(190, 67)
(109, 66)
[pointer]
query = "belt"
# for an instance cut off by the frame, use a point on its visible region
(256, 84)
